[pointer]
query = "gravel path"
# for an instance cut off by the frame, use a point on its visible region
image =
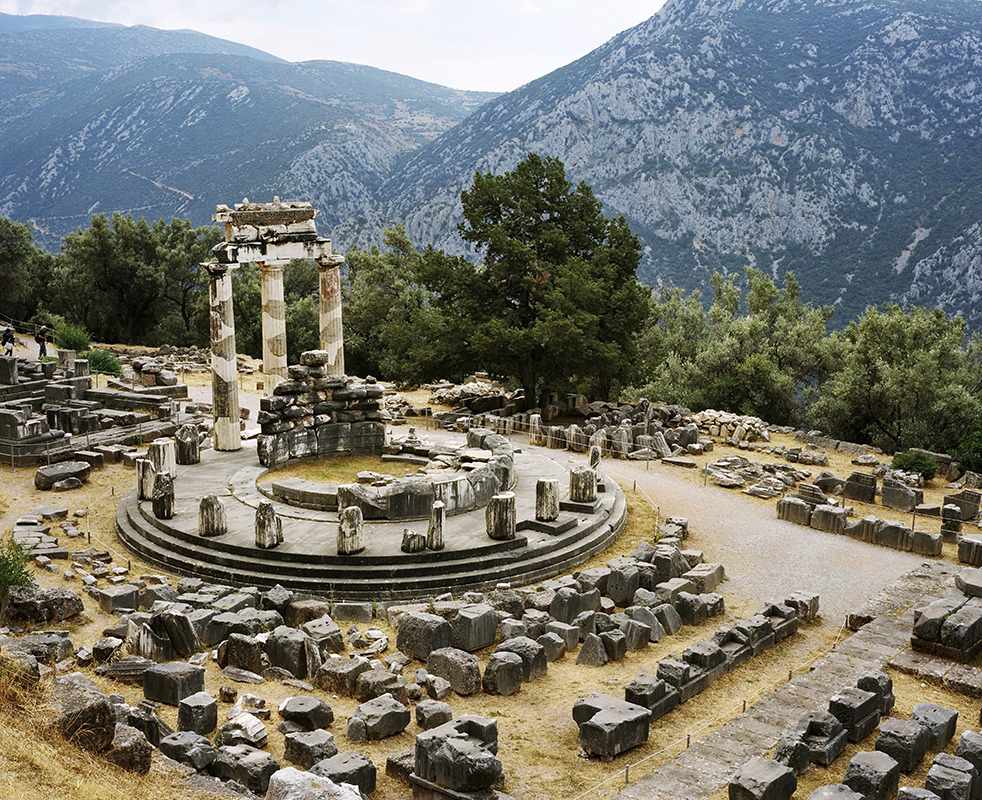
(764, 557)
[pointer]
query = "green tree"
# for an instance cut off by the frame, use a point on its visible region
(14, 570)
(906, 379)
(756, 350)
(129, 281)
(393, 327)
(555, 302)
(26, 271)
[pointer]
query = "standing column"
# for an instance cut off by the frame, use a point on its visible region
(332, 329)
(224, 373)
(274, 323)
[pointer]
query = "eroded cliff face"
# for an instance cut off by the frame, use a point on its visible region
(836, 138)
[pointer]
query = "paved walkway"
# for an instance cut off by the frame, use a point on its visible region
(709, 764)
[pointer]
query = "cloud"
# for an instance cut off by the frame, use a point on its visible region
(472, 44)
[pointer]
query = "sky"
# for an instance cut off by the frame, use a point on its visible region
(491, 45)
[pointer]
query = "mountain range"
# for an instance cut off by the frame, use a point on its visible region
(839, 139)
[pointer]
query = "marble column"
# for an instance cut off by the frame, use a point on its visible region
(224, 372)
(274, 323)
(331, 326)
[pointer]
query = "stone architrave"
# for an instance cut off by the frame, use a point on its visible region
(434, 533)
(547, 499)
(163, 496)
(269, 527)
(273, 323)
(224, 370)
(187, 445)
(145, 477)
(582, 485)
(212, 520)
(163, 455)
(350, 531)
(500, 516)
(331, 323)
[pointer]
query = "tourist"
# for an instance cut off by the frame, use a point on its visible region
(41, 337)
(8, 343)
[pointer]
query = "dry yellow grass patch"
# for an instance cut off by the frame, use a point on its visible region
(339, 469)
(36, 761)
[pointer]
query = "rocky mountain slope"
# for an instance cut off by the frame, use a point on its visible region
(841, 139)
(167, 123)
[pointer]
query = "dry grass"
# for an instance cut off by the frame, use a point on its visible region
(340, 469)
(36, 761)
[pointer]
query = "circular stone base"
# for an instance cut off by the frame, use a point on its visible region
(308, 561)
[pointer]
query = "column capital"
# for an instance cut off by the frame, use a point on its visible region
(271, 266)
(215, 269)
(330, 261)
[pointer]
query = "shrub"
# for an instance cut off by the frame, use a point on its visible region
(14, 570)
(103, 361)
(969, 452)
(911, 461)
(72, 337)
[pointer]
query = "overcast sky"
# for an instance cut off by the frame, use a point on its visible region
(495, 45)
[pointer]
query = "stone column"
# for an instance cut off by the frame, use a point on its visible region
(163, 496)
(350, 531)
(269, 527)
(162, 453)
(412, 542)
(500, 516)
(331, 326)
(145, 477)
(274, 323)
(212, 520)
(582, 485)
(188, 445)
(224, 371)
(547, 499)
(434, 533)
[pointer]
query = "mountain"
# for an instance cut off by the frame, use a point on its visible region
(840, 139)
(165, 123)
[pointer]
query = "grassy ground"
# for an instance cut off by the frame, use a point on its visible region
(339, 469)
(35, 761)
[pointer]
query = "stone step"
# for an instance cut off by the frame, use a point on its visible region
(360, 581)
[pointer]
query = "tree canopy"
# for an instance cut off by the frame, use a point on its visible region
(555, 301)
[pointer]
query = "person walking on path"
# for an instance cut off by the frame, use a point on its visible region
(7, 342)
(41, 337)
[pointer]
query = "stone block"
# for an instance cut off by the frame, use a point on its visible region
(352, 768)
(532, 653)
(940, 723)
(198, 713)
(905, 741)
(420, 633)
(306, 748)
(610, 727)
(170, 683)
(378, 719)
(763, 779)
(504, 673)
(458, 667)
(875, 775)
